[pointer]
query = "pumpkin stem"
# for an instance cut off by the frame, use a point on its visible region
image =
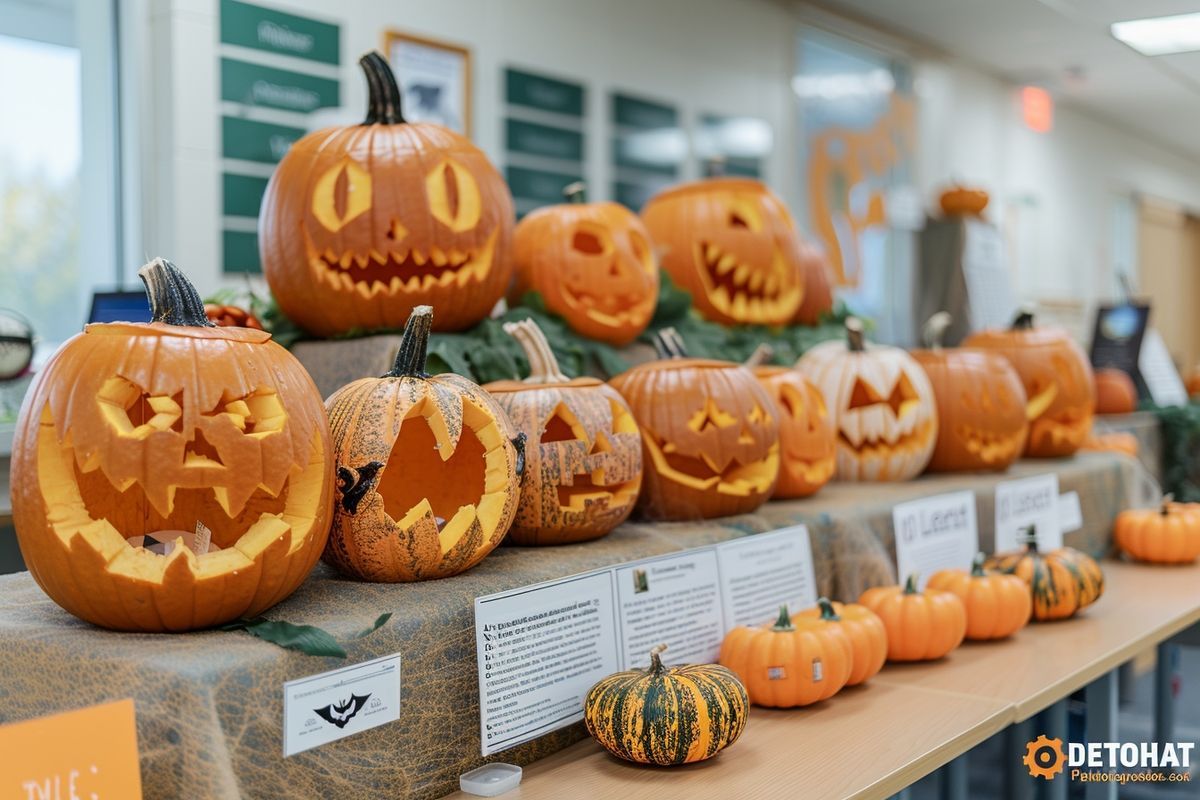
(827, 611)
(1023, 321)
(934, 330)
(656, 665)
(414, 345)
(784, 623)
(1030, 538)
(669, 344)
(575, 192)
(910, 585)
(854, 335)
(543, 366)
(977, 566)
(761, 355)
(1165, 508)
(383, 93)
(173, 298)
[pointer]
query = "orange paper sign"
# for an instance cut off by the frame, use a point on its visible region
(89, 754)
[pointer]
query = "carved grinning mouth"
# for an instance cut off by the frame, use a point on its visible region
(610, 309)
(1068, 426)
(739, 289)
(991, 448)
(588, 492)
(399, 269)
(876, 446)
(701, 473)
(818, 471)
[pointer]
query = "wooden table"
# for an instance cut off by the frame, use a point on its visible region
(909, 720)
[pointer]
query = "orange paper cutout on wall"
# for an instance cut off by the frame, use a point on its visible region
(841, 159)
(90, 754)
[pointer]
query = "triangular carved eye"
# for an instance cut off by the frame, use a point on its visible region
(864, 395)
(563, 426)
(757, 416)
(903, 398)
(134, 412)
(710, 416)
(622, 420)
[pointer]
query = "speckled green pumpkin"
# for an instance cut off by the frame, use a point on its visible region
(667, 715)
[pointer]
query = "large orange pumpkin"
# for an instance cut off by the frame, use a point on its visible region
(710, 434)
(1115, 392)
(807, 439)
(592, 263)
(882, 403)
(361, 224)
(583, 454)
(429, 470)
(1058, 383)
(998, 605)
(732, 244)
(980, 403)
(921, 626)
(139, 442)
(789, 664)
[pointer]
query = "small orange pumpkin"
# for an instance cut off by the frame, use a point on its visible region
(710, 434)
(1060, 392)
(429, 470)
(921, 626)
(864, 629)
(583, 454)
(1111, 442)
(998, 605)
(593, 265)
(732, 245)
(807, 440)
(789, 664)
(1115, 392)
(1169, 534)
(361, 224)
(958, 201)
(230, 316)
(818, 285)
(1061, 582)
(980, 403)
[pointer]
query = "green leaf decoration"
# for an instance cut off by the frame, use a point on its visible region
(379, 623)
(307, 639)
(1180, 427)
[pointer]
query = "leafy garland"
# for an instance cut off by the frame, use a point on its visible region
(1180, 428)
(486, 353)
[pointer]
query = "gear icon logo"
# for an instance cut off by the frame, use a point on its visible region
(1044, 757)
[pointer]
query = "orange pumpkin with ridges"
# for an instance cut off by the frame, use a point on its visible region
(1115, 392)
(807, 440)
(863, 628)
(921, 626)
(998, 605)
(1169, 534)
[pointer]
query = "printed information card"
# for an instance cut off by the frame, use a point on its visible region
(540, 648)
(934, 533)
(1025, 502)
(339, 703)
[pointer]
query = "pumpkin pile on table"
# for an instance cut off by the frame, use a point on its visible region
(1061, 582)
(173, 474)
(583, 453)
(428, 469)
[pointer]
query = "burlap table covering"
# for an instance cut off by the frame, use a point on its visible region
(209, 704)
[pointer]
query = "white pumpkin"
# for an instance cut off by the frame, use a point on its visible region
(882, 404)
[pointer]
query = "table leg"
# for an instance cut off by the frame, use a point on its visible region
(1101, 696)
(1018, 783)
(952, 780)
(1053, 722)
(1165, 668)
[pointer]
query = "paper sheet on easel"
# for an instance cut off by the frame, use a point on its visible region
(1158, 371)
(989, 287)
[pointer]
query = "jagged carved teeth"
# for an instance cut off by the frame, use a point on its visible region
(373, 271)
(726, 271)
(877, 445)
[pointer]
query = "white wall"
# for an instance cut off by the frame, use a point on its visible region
(701, 55)
(1060, 194)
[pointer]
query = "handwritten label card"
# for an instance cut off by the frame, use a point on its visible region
(1025, 502)
(90, 753)
(342, 702)
(673, 600)
(762, 572)
(539, 649)
(933, 533)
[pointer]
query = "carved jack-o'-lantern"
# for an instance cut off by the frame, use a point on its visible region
(428, 470)
(583, 454)
(710, 434)
(1058, 383)
(171, 475)
(592, 263)
(361, 224)
(980, 403)
(882, 404)
(732, 244)
(807, 438)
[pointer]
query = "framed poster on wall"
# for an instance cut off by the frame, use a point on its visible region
(434, 77)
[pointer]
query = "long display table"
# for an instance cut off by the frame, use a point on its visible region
(209, 704)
